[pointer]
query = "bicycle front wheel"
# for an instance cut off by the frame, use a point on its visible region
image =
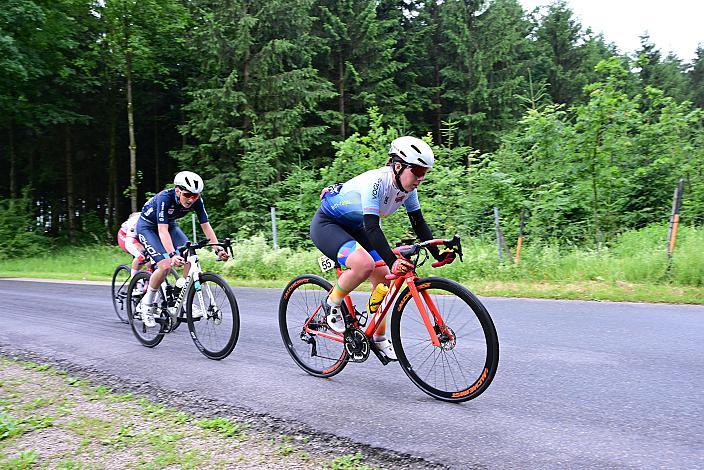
(304, 330)
(463, 365)
(149, 337)
(120, 283)
(213, 317)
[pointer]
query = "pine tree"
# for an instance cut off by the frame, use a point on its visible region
(696, 77)
(253, 109)
(562, 60)
(359, 59)
(666, 74)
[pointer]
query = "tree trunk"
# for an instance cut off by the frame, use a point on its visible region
(341, 93)
(133, 142)
(13, 160)
(112, 152)
(70, 196)
(437, 99)
(245, 83)
(156, 151)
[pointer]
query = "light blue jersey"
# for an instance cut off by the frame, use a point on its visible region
(373, 192)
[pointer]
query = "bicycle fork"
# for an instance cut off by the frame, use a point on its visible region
(420, 298)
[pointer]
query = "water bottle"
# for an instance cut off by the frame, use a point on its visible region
(376, 298)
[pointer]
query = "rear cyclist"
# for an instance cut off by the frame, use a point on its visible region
(127, 239)
(347, 227)
(158, 232)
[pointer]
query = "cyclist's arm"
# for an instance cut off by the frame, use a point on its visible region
(209, 232)
(165, 238)
(377, 239)
(422, 230)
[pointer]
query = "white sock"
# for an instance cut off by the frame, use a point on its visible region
(332, 304)
(133, 272)
(378, 339)
(150, 296)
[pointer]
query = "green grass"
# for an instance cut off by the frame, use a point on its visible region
(162, 437)
(634, 268)
(349, 462)
(24, 460)
(223, 426)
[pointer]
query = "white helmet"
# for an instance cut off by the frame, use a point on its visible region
(189, 181)
(412, 151)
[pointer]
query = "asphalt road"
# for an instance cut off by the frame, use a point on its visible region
(579, 385)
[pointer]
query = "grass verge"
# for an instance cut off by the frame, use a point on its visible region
(634, 269)
(49, 419)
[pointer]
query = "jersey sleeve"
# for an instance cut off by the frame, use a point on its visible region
(371, 197)
(411, 203)
(162, 206)
(200, 210)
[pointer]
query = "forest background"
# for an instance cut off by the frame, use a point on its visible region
(102, 101)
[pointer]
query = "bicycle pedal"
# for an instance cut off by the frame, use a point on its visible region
(382, 357)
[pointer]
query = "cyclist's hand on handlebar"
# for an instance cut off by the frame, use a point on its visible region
(178, 261)
(222, 254)
(446, 256)
(401, 266)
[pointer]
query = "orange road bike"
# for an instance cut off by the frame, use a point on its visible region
(443, 336)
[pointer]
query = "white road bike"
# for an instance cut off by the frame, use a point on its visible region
(203, 300)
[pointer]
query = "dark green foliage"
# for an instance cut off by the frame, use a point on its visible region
(19, 234)
(270, 101)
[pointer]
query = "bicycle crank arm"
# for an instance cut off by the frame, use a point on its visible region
(382, 358)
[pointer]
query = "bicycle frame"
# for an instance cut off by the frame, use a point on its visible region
(189, 250)
(421, 300)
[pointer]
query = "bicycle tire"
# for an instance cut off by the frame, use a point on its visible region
(215, 319)
(472, 336)
(149, 337)
(298, 301)
(120, 283)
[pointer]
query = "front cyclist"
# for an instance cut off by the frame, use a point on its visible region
(159, 233)
(346, 226)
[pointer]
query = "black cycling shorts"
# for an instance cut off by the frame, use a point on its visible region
(332, 238)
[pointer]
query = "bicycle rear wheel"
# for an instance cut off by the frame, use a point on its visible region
(216, 329)
(464, 364)
(149, 337)
(120, 283)
(315, 354)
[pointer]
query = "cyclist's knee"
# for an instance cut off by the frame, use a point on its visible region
(361, 263)
(165, 263)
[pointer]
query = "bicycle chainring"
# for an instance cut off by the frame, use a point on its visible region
(357, 345)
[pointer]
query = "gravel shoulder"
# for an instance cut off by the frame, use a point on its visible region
(56, 415)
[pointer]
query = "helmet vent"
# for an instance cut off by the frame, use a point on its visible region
(415, 148)
(403, 153)
(188, 181)
(422, 161)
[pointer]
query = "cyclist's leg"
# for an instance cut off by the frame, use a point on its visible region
(149, 238)
(135, 249)
(377, 276)
(178, 238)
(338, 244)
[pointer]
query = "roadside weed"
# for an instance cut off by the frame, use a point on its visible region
(349, 462)
(23, 461)
(224, 427)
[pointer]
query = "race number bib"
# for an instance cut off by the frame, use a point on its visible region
(326, 264)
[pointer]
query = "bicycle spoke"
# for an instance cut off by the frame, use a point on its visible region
(317, 355)
(214, 322)
(456, 368)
